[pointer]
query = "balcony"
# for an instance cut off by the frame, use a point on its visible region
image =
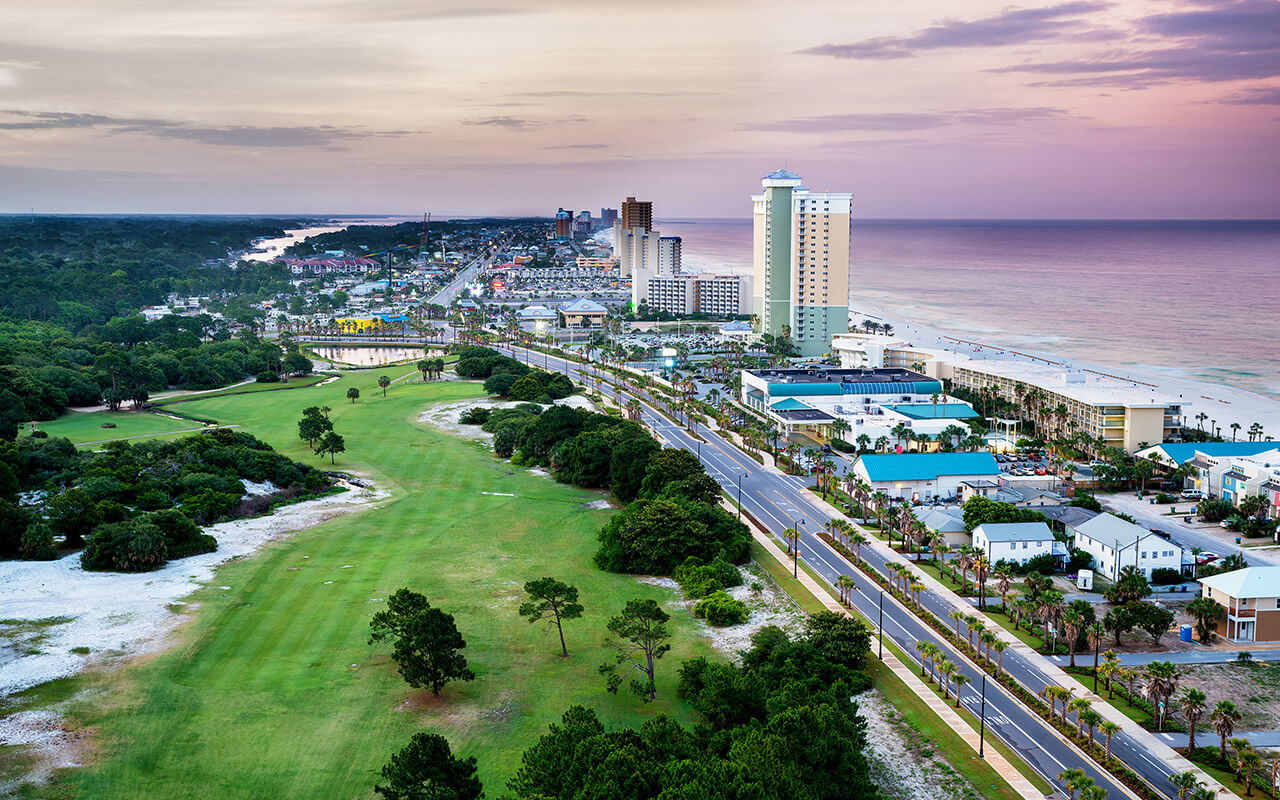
(1244, 613)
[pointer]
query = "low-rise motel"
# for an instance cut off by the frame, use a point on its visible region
(1228, 470)
(1123, 413)
(873, 402)
(925, 476)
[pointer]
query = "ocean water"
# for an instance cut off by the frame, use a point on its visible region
(1198, 299)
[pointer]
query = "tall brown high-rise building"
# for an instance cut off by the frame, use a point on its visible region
(637, 214)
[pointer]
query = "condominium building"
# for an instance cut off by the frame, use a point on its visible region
(637, 214)
(669, 254)
(801, 261)
(706, 293)
(608, 216)
(1122, 413)
(564, 224)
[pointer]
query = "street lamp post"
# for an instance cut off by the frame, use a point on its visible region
(982, 717)
(880, 625)
(740, 477)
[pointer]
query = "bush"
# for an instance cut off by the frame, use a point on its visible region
(1165, 576)
(1164, 499)
(1045, 564)
(182, 537)
(37, 543)
(1086, 500)
(700, 580)
(475, 415)
(38, 434)
(107, 425)
(721, 610)
(131, 546)
(1214, 510)
(652, 537)
(267, 376)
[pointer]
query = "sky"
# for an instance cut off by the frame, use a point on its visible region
(922, 108)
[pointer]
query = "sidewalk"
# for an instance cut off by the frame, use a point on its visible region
(908, 675)
(1052, 672)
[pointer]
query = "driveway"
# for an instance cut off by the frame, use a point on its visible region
(1150, 516)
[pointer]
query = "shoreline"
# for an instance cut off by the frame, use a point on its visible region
(1221, 402)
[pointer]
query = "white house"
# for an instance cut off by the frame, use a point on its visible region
(1115, 543)
(920, 476)
(1017, 541)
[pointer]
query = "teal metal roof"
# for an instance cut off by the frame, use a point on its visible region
(1185, 451)
(930, 411)
(790, 404)
(926, 466)
(887, 387)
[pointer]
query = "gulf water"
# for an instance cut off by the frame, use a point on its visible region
(1193, 299)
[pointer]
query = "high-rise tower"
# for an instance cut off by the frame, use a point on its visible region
(801, 260)
(637, 214)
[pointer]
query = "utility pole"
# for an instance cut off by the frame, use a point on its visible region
(982, 718)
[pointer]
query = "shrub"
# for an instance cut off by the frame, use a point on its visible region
(267, 376)
(721, 610)
(182, 537)
(130, 546)
(37, 543)
(1164, 498)
(1214, 510)
(1165, 576)
(476, 415)
(104, 425)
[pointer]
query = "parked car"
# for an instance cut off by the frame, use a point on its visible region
(1191, 494)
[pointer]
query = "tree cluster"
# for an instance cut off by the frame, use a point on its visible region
(780, 726)
(425, 641)
(316, 429)
(124, 502)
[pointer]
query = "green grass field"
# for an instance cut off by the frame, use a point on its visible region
(86, 427)
(273, 690)
(295, 382)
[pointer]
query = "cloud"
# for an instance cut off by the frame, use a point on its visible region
(521, 123)
(1012, 26)
(621, 93)
(575, 147)
(226, 136)
(1225, 41)
(908, 121)
(1254, 96)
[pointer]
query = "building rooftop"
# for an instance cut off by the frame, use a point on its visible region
(833, 375)
(926, 466)
(1015, 531)
(942, 520)
(1249, 582)
(1068, 515)
(1112, 531)
(1185, 451)
(935, 411)
(583, 306)
(536, 312)
(1086, 386)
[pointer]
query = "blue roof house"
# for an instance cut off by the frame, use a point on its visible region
(923, 476)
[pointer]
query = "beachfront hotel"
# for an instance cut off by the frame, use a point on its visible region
(1123, 413)
(801, 261)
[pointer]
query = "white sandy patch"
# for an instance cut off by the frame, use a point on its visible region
(598, 505)
(903, 763)
(577, 401)
(119, 615)
(41, 735)
(769, 606)
(258, 489)
(444, 417)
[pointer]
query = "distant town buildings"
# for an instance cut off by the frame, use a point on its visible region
(564, 225)
(801, 262)
(582, 313)
(723, 295)
(608, 216)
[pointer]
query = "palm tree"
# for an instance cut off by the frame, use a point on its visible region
(1093, 793)
(1185, 782)
(1050, 609)
(974, 626)
(960, 679)
(947, 669)
(1235, 427)
(916, 588)
(1078, 706)
(383, 382)
(1224, 719)
(1162, 682)
(1090, 719)
(923, 646)
(980, 566)
(857, 540)
(1249, 762)
(1072, 621)
(846, 585)
(986, 639)
(999, 645)
(1097, 632)
(1109, 730)
(956, 615)
(1193, 707)
(1068, 778)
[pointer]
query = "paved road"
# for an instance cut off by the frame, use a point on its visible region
(1188, 657)
(1150, 516)
(1263, 739)
(776, 501)
(465, 275)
